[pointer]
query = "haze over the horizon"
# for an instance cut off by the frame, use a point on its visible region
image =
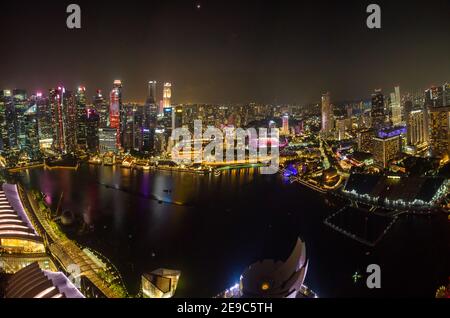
(227, 51)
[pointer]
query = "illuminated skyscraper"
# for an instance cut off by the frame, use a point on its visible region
(395, 105)
(341, 127)
(434, 97)
(408, 108)
(70, 121)
(377, 112)
(151, 92)
(107, 139)
(285, 124)
(150, 114)
(440, 131)
(416, 128)
(386, 148)
(44, 118)
(63, 109)
(168, 114)
(116, 111)
(178, 117)
(56, 104)
(127, 141)
(81, 117)
(101, 107)
(167, 94)
(92, 126)
(138, 124)
(32, 133)
(7, 123)
(21, 105)
(446, 93)
(365, 139)
(327, 113)
(114, 117)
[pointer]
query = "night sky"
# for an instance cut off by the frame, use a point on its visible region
(226, 51)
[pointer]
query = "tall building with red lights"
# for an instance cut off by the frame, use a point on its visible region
(115, 108)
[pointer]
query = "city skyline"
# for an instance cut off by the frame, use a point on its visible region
(225, 148)
(91, 94)
(252, 51)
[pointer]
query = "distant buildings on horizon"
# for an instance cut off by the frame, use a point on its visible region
(63, 122)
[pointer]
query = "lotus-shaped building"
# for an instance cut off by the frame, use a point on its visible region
(270, 279)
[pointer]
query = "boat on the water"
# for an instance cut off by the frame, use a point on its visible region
(109, 159)
(128, 162)
(96, 160)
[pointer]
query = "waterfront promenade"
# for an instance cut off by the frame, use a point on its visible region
(65, 251)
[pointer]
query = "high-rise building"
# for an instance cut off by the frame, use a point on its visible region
(56, 104)
(365, 139)
(63, 107)
(446, 93)
(434, 97)
(416, 128)
(341, 127)
(349, 110)
(32, 133)
(138, 124)
(440, 131)
(101, 107)
(327, 113)
(81, 117)
(44, 119)
(178, 117)
(150, 114)
(167, 94)
(21, 105)
(161, 140)
(116, 111)
(92, 127)
(128, 130)
(151, 97)
(285, 124)
(386, 148)
(70, 121)
(408, 108)
(377, 111)
(8, 129)
(161, 108)
(395, 107)
(107, 138)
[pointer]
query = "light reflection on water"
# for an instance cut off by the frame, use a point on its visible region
(212, 227)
